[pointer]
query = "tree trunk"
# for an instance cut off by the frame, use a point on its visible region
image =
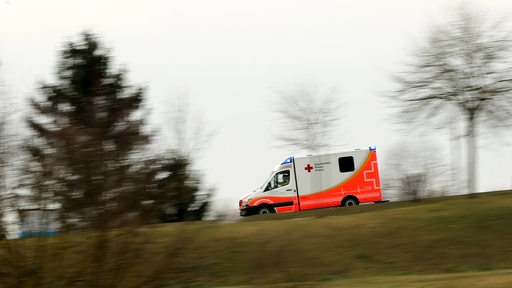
(471, 155)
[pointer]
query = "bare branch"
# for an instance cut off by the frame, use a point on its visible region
(308, 116)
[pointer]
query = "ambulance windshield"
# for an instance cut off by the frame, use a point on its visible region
(267, 180)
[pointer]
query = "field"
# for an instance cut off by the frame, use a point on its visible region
(440, 242)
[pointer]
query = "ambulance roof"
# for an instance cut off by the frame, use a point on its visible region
(371, 148)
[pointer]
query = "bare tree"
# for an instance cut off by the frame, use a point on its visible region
(179, 183)
(308, 116)
(186, 130)
(8, 159)
(3, 161)
(462, 73)
(415, 170)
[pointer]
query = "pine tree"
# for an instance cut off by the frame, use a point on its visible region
(88, 127)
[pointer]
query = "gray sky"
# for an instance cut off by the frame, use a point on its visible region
(230, 56)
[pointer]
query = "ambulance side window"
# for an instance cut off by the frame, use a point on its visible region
(283, 178)
(280, 179)
(346, 164)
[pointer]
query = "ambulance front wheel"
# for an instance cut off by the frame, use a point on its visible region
(350, 201)
(266, 210)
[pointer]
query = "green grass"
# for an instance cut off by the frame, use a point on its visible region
(441, 242)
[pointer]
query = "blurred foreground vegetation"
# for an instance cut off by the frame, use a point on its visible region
(422, 243)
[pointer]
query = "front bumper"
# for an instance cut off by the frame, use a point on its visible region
(248, 210)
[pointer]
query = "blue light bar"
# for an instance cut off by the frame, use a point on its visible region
(287, 161)
(373, 147)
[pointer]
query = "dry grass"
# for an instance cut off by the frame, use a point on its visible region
(431, 243)
(497, 278)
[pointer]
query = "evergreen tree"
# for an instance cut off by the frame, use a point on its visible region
(173, 191)
(88, 127)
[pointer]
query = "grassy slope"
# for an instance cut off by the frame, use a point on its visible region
(427, 243)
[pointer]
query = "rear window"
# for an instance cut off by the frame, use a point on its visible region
(346, 164)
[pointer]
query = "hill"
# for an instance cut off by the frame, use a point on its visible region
(441, 242)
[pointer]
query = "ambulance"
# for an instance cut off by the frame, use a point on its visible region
(317, 181)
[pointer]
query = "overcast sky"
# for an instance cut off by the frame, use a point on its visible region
(230, 56)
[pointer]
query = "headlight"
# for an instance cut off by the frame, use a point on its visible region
(247, 201)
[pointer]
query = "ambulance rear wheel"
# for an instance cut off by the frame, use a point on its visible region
(265, 210)
(350, 201)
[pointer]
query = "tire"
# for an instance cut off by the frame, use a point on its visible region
(265, 210)
(351, 201)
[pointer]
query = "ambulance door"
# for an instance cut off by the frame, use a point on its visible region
(281, 190)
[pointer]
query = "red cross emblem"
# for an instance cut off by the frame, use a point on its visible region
(309, 168)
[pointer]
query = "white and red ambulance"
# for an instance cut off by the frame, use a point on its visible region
(317, 181)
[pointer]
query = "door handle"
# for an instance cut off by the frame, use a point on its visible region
(288, 189)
